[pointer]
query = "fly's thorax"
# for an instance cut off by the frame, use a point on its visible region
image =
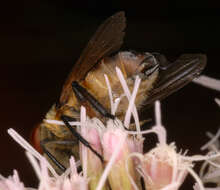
(143, 64)
(131, 64)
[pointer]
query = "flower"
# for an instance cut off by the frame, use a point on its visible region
(162, 168)
(12, 182)
(210, 169)
(70, 180)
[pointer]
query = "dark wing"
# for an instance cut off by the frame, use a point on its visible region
(107, 39)
(181, 72)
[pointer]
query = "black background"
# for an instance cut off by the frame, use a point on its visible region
(41, 40)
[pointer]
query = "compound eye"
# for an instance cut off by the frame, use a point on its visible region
(150, 58)
(149, 64)
(164, 64)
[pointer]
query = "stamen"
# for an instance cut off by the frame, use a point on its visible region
(34, 164)
(158, 113)
(171, 186)
(128, 94)
(109, 92)
(215, 138)
(131, 102)
(196, 177)
(58, 122)
(212, 175)
(201, 157)
(217, 101)
(208, 82)
(213, 164)
(83, 133)
(159, 130)
(20, 140)
(116, 103)
(73, 166)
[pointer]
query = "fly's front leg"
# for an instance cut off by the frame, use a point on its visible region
(79, 136)
(85, 97)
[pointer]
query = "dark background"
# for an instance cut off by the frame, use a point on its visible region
(41, 40)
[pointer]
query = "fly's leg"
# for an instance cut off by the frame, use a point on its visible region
(66, 120)
(53, 159)
(84, 97)
(45, 145)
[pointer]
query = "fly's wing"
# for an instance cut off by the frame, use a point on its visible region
(107, 39)
(181, 72)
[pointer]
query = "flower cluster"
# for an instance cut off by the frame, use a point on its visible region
(210, 169)
(125, 164)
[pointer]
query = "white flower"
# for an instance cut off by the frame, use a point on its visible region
(11, 183)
